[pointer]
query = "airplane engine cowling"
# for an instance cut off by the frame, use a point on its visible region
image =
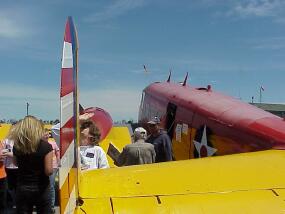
(102, 119)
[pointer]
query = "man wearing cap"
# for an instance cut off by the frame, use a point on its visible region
(138, 152)
(160, 140)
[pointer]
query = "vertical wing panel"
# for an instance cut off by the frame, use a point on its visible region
(68, 172)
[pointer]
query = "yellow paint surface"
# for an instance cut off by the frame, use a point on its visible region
(259, 201)
(119, 136)
(5, 127)
(280, 193)
(64, 195)
(214, 174)
(98, 205)
(239, 183)
(181, 149)
(139, 205)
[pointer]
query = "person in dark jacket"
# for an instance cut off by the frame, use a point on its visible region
(160, 140)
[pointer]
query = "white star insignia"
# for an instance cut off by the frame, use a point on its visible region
(202, 147)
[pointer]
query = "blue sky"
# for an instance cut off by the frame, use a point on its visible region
(236, 46)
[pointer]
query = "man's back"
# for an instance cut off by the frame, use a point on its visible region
(137, 153)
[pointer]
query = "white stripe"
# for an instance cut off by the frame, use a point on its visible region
(67, 162)
(71, 204)
(67, 58)
(66, 108)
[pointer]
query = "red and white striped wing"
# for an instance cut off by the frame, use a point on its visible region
(68, 174)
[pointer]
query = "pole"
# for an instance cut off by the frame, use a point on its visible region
(260, 95)
(28, 109)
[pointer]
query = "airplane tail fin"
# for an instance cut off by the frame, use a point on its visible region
(69, 111)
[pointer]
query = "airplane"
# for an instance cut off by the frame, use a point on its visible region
(250, 182)
(202, 122)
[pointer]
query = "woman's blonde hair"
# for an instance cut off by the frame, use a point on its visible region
(27, 134)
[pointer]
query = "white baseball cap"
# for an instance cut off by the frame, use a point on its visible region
(140, 132)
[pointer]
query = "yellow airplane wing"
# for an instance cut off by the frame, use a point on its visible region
(241, 183)
(4, 130)
(118, 136)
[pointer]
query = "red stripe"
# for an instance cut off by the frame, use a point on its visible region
(67, 83)
(67, 34)
(66, 136)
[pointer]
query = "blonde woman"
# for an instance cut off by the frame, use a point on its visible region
(33, 155)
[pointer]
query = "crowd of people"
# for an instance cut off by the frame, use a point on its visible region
(29, 161)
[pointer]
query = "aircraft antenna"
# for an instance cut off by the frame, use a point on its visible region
(185, 80)
(209, 88)
(144, 67)
(169, 77)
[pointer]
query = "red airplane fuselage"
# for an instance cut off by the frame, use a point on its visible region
(206, 123)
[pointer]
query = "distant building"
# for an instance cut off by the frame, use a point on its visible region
(277, 109)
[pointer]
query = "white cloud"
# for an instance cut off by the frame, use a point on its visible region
(258, 8)
(205, 65)
(119, 8)
(44, 103)
(280, 20)
(121, 103)
(19, 91)
(138, 71)
(275, 43)
(13, 25)
(255, 8)
(244, 9)
(8, 28)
